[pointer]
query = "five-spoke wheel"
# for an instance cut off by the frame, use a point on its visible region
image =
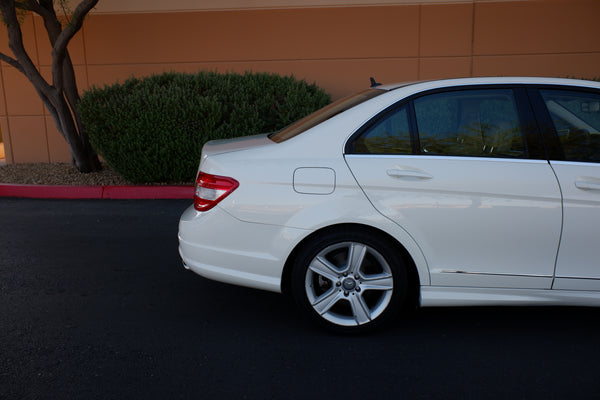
(349, 281)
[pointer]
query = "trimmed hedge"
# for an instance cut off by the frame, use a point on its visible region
(152, 129)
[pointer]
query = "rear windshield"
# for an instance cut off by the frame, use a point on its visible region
(324, 114)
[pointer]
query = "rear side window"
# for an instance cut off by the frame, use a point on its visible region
(470, 123)
(390, 134)
(576, 119)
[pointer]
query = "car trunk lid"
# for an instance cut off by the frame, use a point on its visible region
(214, 147)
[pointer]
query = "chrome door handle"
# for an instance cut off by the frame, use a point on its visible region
(407, 173)
(587, 185)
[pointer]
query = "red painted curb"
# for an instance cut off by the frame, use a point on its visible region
(96, 192)
(148, 192)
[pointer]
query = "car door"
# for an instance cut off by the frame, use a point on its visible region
(453, 169)
(575, 129)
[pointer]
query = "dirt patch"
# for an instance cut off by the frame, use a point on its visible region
(57, 174)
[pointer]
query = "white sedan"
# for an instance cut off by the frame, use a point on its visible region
(461, 192)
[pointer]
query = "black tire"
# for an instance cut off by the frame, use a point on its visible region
(349, 281)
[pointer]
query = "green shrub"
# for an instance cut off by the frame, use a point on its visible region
(152, 129)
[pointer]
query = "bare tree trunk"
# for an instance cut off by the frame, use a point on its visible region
(60, 97)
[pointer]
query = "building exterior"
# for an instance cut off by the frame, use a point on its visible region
(338, 44)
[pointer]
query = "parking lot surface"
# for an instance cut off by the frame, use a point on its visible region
(94, 304)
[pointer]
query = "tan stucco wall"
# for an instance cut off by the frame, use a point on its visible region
(141, 6)
(336, 47)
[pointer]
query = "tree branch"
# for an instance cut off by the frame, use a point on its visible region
(36, 7)
(26, 5)
(12, 61)
(76, 22)
(15, 43)
(60, 46)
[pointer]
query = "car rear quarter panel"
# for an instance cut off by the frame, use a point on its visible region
(266, 193)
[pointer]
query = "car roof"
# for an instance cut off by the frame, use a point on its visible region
(490, 81)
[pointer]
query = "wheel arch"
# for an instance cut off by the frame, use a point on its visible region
(413, 295)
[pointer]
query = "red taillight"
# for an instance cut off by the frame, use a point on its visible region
(211, 189)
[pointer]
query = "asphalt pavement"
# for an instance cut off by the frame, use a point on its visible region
(94, 304)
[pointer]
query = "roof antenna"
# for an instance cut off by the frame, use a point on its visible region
(374, 83)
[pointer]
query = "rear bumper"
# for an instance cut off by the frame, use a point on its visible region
(218, 246)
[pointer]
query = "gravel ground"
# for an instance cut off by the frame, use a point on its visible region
(57, 174)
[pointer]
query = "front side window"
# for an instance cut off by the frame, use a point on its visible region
(473, 123)
(576, 119)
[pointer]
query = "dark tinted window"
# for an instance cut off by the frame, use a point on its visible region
(476, 123)
(576, 118)
(390, 134)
